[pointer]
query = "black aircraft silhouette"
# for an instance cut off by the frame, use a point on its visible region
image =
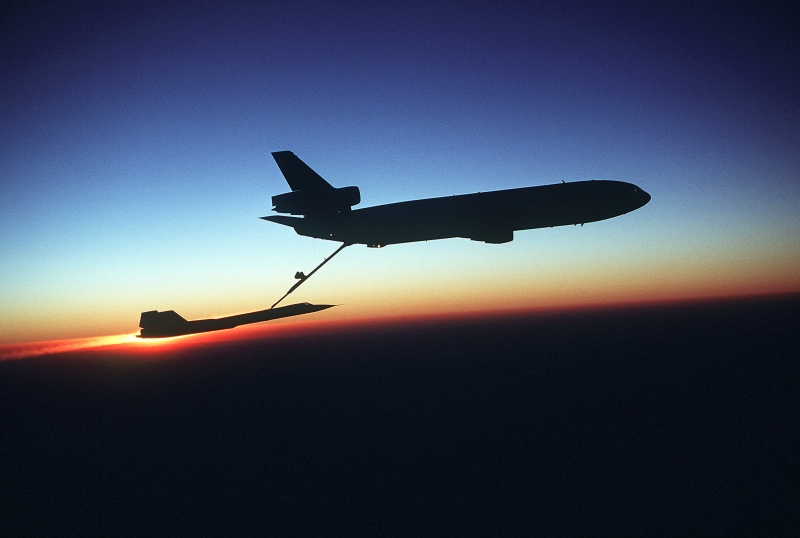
(155, 324)
(491, 217)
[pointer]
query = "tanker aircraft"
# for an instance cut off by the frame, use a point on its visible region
(325, 212)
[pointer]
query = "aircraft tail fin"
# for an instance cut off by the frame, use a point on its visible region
(298, 174)
(311, 195)
(154, 318)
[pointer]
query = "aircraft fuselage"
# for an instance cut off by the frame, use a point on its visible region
(492, 217)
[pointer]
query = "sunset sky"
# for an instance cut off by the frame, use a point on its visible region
(135, 154)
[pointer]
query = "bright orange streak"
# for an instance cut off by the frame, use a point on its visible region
(50, 347)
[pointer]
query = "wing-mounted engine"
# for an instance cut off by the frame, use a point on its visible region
(309, 202)
(494, 236)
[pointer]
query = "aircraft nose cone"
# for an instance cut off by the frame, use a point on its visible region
(643, 198)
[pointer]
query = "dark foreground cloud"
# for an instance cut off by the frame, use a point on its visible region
(627, 421)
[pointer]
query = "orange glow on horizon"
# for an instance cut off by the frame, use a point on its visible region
(479, 284)
(133, 347)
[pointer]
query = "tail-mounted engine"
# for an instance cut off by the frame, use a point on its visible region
(309, 202)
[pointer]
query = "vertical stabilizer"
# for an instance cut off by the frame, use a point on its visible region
(299, 175)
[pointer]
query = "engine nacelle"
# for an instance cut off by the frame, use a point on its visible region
(310, 202)
(494, 236)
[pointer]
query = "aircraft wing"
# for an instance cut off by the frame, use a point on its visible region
(299, 175)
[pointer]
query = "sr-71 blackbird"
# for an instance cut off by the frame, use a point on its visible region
(492, 217)
(155, 324)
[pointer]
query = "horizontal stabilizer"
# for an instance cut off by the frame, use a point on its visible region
(283, 219)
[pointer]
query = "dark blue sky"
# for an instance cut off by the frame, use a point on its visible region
(135, 142)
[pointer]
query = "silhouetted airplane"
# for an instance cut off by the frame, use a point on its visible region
(491, 217)
(157, 324)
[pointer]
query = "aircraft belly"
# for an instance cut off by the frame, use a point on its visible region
(386, 231)
(450, 217)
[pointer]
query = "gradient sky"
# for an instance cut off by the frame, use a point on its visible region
(135, 153)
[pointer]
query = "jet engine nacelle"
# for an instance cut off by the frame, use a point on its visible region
(303, 202)
(495, 237)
